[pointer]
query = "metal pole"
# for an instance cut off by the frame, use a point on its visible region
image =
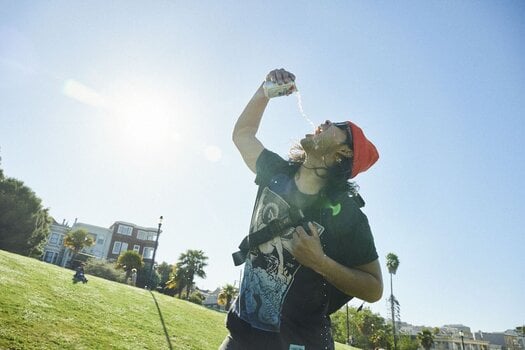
(150, 279)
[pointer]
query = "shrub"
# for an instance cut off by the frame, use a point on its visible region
(196, 298)
(103, 269)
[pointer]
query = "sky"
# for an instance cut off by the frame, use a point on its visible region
(123, 110)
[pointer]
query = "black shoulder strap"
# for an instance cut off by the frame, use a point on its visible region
(267, 233)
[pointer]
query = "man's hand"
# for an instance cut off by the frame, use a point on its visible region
(364, 281)
(280, 76)
(307, 249)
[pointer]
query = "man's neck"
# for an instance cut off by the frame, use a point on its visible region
(310, 179)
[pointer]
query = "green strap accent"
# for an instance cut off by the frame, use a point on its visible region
(336, 209)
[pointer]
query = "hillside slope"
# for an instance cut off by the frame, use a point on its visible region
(40, 308)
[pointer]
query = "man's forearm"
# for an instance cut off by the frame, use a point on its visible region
(351, 281)
(251, 116)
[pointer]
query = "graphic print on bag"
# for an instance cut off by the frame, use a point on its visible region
(269, 269)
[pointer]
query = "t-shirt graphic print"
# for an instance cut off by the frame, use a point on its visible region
(269, 269)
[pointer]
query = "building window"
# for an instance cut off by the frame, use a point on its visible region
(53, 239)
(124, 247)
(136, 248)
(100, 241)
(48, 257)
(148, 253)
(116, 247)
(125, 230)
(146, 235)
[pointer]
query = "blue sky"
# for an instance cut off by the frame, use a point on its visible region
(124, 111)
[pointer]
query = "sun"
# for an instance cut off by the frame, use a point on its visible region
(143, 115)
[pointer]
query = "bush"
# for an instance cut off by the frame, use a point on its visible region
(103, 269)
(196, 298)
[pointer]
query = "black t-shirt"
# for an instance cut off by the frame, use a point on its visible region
(279, 297)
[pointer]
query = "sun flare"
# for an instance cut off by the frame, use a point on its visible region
(143, 116)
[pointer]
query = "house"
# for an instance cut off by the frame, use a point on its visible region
(54, 251)
(210, 299)
(128, 236)
(101, 237)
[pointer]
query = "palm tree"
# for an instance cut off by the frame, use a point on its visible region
(426, 338)
(392, 263)
(78, 239)
(191, 264)
(226, 295)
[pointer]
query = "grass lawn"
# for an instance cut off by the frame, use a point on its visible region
(40, 308)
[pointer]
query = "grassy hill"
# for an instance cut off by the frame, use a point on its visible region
(40, 308)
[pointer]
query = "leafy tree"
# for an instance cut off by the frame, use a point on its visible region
(226, 296)
(191, 264)
(78, 239)
(426, 338)
(24, 223)
(129, 260)
(392, 263)
(143, 278)
(366, 329)
(164, 270)
(406, 342)
(176, 283)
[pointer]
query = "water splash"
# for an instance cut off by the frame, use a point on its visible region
(301, 110)
(308, 120)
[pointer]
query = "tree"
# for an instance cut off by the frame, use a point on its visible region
(164, 270)
(176, 283)
(406, 342)
(78, 239)
(129, 260)
(24, 223)
(392, 263)
(226, 296)
(426, 338)
(367, 330)
(191, 264)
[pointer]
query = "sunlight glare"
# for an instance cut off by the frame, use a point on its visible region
(143, 116)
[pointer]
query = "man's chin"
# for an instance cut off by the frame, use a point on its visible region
(309, 145)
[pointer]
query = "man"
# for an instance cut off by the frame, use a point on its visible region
(297, 274)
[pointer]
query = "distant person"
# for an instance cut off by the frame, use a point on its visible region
(310, 248)
(79, 275)
(133, 277)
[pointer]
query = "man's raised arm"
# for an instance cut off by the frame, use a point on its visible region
(248, 123)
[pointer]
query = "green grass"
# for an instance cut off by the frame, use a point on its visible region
(40, 308)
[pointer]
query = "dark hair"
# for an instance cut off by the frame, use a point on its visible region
(337, 176)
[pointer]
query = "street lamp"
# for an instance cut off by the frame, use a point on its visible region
(154, 252)
(462, 343)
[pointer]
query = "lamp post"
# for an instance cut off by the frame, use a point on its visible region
(150, 279)
(462, 343)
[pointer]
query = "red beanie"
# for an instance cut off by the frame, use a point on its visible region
(365, 153)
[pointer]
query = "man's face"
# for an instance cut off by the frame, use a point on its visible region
(326, 139)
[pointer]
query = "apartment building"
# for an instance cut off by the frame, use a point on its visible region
(128, 236)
